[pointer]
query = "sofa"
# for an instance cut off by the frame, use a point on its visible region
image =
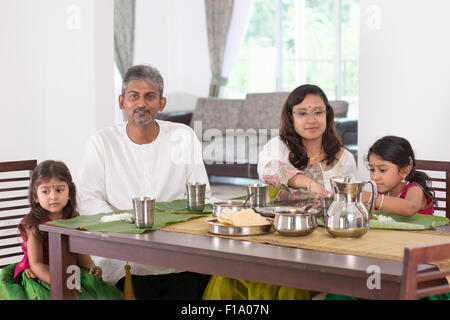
(233, 131)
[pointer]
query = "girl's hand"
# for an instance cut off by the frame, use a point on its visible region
(317, 189)
(95, 269)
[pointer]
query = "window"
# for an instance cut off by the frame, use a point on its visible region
(292, 42)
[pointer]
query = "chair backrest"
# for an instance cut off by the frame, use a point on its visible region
(428, 282)
(439, 172)
(14, 182)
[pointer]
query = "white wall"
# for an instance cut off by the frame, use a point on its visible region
(21, 80)
(57, 77)
(404, 76)
(171, 36)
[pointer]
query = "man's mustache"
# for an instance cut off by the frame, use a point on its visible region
(140, 109)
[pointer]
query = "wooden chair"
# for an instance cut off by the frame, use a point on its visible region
(440, 185)
(430, 281)
(14, 182)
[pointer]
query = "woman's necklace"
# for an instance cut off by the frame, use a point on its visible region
(312, 159)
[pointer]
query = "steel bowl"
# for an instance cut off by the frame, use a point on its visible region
(235, 205)
(296, 222)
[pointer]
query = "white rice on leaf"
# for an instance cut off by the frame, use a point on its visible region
(385, 218)
(118, 217)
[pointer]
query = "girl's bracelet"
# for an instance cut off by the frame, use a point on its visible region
(370, 198)
(381, 203)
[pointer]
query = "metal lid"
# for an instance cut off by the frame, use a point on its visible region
(346, 179)
(305, 210)
(229, 203)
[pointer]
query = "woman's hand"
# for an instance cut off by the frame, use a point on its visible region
(317, 189)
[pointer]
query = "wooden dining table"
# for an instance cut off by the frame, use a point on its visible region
(314, 270)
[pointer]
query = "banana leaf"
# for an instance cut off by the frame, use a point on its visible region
(416, 222)
(273, 193)
(320, 221)
(180, 206)
(93, 222)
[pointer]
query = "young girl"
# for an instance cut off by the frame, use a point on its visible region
(401, 188)
(52, 196)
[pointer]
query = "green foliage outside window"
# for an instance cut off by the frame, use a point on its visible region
(308, 48)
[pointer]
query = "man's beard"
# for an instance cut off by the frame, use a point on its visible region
(139, 122)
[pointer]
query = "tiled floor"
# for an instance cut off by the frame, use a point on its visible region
(226, 191)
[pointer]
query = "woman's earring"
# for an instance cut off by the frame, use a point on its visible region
(403, 180)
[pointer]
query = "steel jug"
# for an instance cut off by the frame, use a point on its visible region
(347, 216)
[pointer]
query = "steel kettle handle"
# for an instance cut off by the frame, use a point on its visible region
(374, 195)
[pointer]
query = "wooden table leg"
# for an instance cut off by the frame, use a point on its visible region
(60, 260)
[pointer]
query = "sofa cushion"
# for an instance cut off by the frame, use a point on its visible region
(347, 129)
(340, 108)
(216, 113)
(262, 110)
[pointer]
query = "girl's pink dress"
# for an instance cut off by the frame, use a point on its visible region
(429, 208)
(23, 264)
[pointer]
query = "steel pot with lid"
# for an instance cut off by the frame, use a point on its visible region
(294, 221)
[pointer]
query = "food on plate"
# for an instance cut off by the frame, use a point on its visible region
(242, 218)
(226, 216)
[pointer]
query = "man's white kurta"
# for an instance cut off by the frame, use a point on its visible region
(115, 169)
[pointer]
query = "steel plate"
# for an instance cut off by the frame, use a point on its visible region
(216, 227)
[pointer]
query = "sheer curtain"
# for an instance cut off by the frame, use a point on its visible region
(124, 15)
(218, 20)
(242, 12)
(227, 22)
(124, 34)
